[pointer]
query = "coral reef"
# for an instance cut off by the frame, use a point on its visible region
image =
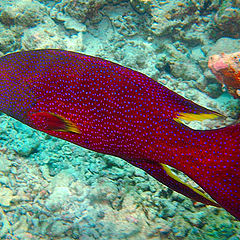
(23, 13)
(227, 19)
(83, 10)
(63, 204)
(141, 6)
(168, 16)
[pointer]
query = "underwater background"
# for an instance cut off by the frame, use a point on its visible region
(52, 189)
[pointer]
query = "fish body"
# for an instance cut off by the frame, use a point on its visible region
(226, 68)
(114, 110)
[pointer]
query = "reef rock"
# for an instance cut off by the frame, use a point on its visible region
(6, 195)
(227, 20)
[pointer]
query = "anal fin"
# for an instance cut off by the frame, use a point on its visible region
(175, 183)
(163, 174)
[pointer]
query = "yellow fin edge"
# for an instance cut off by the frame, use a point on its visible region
(70, 126)
(175, 177)
(195, 116)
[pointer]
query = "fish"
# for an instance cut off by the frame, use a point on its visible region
(111, 109)
(226, 68)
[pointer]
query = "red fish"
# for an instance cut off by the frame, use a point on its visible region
(111, 109)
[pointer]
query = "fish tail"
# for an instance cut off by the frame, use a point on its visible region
(211, 157)
(218, 170)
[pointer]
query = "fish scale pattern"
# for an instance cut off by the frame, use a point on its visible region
(111, 109)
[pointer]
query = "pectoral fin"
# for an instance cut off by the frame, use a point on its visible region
(45, 121)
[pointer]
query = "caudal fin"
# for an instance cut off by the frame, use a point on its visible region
(218, 167)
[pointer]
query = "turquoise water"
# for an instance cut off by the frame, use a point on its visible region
(51, 189)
